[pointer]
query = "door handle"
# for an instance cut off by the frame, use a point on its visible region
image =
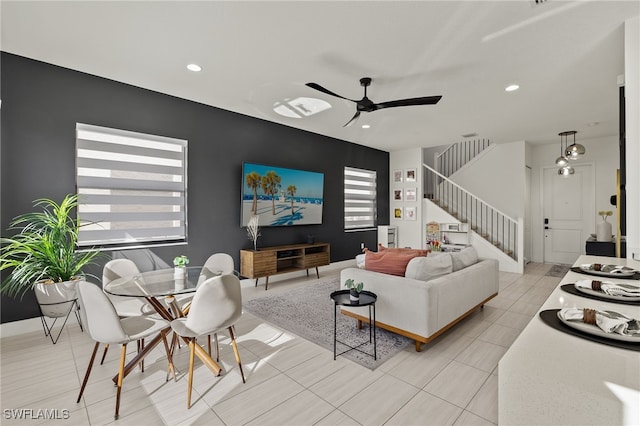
(546, 227)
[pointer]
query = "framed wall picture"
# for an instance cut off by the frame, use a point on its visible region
(410, 194)
(397, 176)
(397, 213)
(410, 175)
(410, 213)
(397, 195)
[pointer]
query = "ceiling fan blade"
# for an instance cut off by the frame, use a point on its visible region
(316, 86)
(426, 100)
(353, 119)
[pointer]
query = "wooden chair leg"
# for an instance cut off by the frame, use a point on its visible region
(192, 352)
(141, 347)
(215, 337)
(86, 375)
(123, 354)
(104, 354)
(235, 349)
(170, 368)
(209, 344)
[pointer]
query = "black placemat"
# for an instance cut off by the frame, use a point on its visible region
(550, 317)
(635, 276)
(570, 288)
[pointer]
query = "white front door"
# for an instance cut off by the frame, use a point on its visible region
(569, 213)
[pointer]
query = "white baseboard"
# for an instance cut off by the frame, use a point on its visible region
(31, 325)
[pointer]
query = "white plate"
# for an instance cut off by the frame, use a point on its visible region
(607, 296)
(610, 271)
(597, 331)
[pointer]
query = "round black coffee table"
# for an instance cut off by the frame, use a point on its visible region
(367, 298)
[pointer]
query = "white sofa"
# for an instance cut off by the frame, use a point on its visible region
(436, 292)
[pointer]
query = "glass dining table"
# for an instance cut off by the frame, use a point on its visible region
(163, 284)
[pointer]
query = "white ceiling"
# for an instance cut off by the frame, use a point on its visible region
(566, 57)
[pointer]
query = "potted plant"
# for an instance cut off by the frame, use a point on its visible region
(354, 289)
(253, 230)
(179, 267)
(603, 229)
(42, 256)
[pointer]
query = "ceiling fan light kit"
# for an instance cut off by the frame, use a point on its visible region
(568, 152)
(367, 105)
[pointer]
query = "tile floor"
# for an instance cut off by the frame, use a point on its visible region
(290, 381)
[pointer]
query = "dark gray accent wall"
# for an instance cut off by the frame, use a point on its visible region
(41, 104)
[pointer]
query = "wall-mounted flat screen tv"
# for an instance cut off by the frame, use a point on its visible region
(280, 196)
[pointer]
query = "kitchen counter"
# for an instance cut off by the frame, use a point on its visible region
(548, 377)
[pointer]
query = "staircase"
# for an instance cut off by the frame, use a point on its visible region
(459, 154)
(486, 221)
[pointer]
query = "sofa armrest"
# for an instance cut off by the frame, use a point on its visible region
(462, 290)
(404, 303)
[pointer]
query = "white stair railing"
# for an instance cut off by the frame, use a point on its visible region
(486, 220)
(459, 154)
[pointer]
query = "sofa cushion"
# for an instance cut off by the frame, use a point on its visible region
(463, 258)
(430, 267)
(418, 252)
(387, 262)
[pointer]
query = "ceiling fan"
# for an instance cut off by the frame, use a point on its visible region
(366, 105)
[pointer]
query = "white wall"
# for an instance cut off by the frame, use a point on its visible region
(497, 177)
(410, 233)
(602, 153)
(632, 131)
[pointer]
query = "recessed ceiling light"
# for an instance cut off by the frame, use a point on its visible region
(511, 88)
(194, 67)
(366, 126)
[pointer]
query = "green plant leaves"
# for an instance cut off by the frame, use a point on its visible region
(44, 247)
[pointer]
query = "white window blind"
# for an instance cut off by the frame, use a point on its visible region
(132, 188)
(359, 198)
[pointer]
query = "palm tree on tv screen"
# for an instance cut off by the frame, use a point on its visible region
(253, 182)
(271, 186)
(291, 190)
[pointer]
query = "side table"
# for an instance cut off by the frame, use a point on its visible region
(367, 298)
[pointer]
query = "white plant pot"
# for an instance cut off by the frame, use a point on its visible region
(55, 299)
(179, 284)
(603, 231)
(179, 273)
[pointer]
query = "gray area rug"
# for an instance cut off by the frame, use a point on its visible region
(558, 271)
(308, 312)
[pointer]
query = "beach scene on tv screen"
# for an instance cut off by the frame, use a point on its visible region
(281, 196)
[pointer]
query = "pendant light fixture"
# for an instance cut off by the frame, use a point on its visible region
(568, 152)
(566, 171)
(575, 150)
(562, 160)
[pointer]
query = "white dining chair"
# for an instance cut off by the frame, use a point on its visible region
(216, 264)
(125, 306)
(216, 305)
(105, 326)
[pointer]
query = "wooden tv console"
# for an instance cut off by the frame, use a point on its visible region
(268, 261)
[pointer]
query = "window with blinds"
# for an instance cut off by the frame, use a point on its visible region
(132, 188)
(359, 199)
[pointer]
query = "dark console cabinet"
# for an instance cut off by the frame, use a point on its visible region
(604, 248)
